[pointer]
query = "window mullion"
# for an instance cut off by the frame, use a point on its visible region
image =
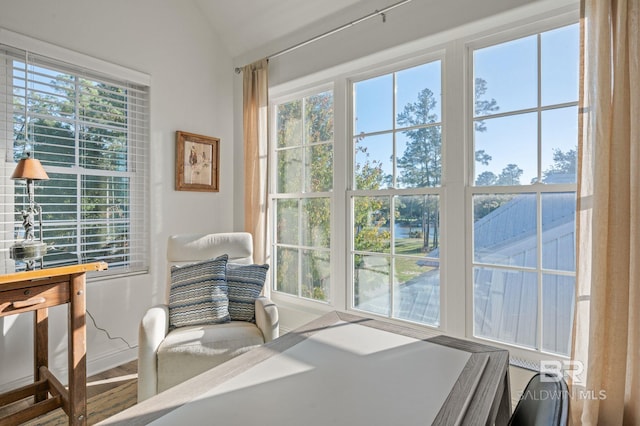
(455, 258)
(392, 198)
(303, 158)
(539, 95)
(539, 335)
(299, 248)
(392, 263)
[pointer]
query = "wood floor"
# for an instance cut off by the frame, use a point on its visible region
(110, 379)
(96, 384)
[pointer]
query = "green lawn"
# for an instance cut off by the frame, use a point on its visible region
(407, 268)
(411, 246)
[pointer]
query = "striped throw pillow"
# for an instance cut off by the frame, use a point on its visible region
(198, 293)
(245, 284)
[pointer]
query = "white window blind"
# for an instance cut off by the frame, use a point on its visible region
(91, 134)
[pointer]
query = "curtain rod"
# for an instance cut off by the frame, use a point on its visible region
(381, 12)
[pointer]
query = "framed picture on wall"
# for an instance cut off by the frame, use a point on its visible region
(197, 159)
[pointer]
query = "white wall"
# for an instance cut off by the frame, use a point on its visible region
(191, 90)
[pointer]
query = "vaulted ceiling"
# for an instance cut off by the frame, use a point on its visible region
(246, 25)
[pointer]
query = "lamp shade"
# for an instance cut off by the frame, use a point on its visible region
(29, 168)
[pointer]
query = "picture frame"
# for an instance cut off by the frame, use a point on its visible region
(197, 162)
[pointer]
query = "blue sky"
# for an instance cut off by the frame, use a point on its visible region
(511, 72)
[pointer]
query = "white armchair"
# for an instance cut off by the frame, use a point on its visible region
(166, 358)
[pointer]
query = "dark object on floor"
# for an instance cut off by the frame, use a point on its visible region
(544, 402)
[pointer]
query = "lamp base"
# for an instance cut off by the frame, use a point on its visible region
(28, 251)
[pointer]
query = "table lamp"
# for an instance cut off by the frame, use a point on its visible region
(30, 249)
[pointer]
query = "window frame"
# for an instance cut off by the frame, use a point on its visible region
(431, 55)
(457, 111)
(274, 196)
(94, 70)
(520, 354)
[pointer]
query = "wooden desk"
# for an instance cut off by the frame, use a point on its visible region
(36, 291)
(342, 369)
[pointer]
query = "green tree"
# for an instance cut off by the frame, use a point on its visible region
(420, 164)
(563, 167)
(482, 106)
(486, 203)
(370, 214)
(305, 164)
(482, 157)
(486, 179)
(510, 175)
(94, 115)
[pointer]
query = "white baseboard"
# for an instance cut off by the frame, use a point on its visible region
(111, 360)
(14, 384)
(94, 366)
(292, 316)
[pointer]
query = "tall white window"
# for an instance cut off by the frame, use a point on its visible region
(395, 201)
(455, 189)
(90, 132)
(302, 191)
(524, 189)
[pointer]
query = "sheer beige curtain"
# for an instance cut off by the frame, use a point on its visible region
(607, 316)
(255, 117)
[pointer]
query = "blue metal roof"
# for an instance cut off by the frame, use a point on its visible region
(506, 301)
